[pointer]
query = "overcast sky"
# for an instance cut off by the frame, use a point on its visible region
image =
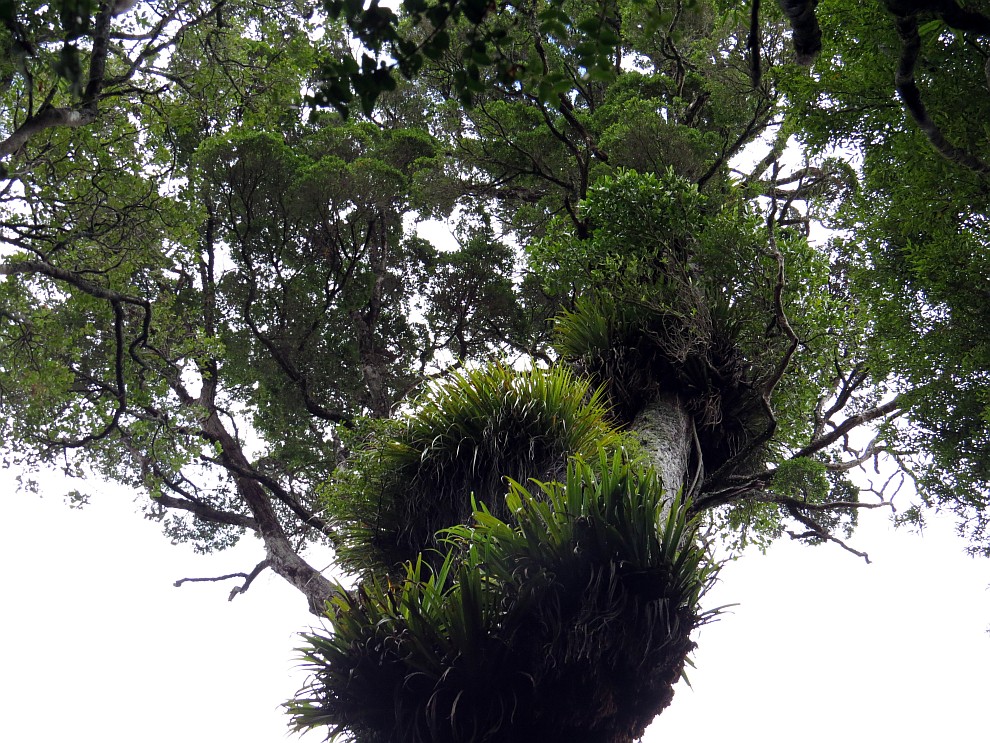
(97, 644)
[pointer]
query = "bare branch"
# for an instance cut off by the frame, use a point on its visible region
(87, 110)
(830, 506)
(813, 534)
(313, 407)
(248, 579)
(74, 279)
(116, 300)
(849, 384)
(816, 531)
(853, 421)
(899, 474)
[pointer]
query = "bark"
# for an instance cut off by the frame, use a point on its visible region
(282, 556)
(47, 118)
(807, 35)
(664, 428)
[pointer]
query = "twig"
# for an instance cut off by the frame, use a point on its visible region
(816, 531)
(248, 579)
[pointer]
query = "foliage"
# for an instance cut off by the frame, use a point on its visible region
(467, 434)
(671, 99)
(473, 301)
(690, 317)
(225, 299)
(425, 31)
(586, 595)
(915, 232)
(220, 262)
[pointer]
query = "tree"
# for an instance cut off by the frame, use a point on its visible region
(128, 253)
(914, 230)
(218, 295)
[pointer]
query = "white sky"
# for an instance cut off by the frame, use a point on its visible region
(97, 645)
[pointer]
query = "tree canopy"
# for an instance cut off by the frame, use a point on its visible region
(523, 443)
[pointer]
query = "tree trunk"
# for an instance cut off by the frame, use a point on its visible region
(664, 429)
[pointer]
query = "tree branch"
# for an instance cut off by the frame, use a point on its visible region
(805, 28)
(780, 317)
(816, 531)
(116, 300)
(838, 505)
(283, 557)
(49, 117)
(248, 579)
(848, 425)
(279, 492)
(207, 512)
(753, 44)
(907, 88)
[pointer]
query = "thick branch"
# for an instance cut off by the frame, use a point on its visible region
(770, 384)
(804, 24)
(907, 88)
(207, 513)
(60, 274)
(753, 44)
(46, 118)
(848, 425)
(282, 556)
(279, 492)
(49, 117)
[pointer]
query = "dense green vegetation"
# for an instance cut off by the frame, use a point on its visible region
(224, 285)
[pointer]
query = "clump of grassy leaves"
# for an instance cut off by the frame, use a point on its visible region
(585, 593)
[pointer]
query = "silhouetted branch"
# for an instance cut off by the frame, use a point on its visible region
(816, 531)
(248, 579)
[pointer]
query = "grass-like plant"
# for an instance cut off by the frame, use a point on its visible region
(638, 351)
(585, 595)
(468, 434)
